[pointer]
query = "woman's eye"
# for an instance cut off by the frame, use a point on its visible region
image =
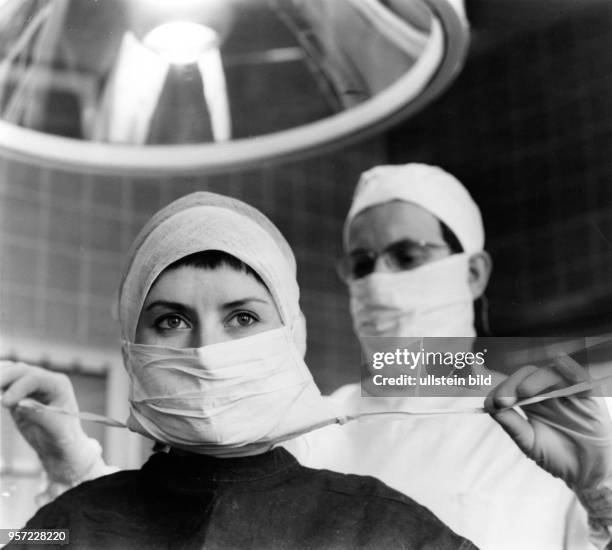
(171, 322)
(243, 319)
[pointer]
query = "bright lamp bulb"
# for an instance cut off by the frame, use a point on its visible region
(181, 42)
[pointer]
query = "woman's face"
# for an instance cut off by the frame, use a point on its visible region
(191, 307)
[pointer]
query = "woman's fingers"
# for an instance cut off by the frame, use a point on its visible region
(530, 381)
(23, 387)
(505, 394)
(572, 371)
(11, 381)
(523, 383)
(19, 380)
(9, 372)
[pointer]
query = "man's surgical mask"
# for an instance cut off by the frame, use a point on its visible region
(429, 301)
(233, 398)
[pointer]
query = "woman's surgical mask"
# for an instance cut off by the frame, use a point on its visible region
(233, 398)
(432, 300)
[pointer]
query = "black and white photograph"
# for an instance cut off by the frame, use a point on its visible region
(306, 274)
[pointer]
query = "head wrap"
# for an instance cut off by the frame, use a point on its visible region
(206, 221)
(427, 186)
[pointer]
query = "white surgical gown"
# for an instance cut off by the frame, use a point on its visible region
(463, 467)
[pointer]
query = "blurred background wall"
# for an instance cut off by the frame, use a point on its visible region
(528, 128)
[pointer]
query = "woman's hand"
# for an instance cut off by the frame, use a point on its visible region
(58, 439)
(570, 437)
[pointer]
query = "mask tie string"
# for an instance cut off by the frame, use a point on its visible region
(341, 419)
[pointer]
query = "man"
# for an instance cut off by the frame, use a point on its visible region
(415, 263)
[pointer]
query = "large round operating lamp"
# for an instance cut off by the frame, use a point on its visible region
(199, 86)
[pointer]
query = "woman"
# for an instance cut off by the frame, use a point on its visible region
(213, 341)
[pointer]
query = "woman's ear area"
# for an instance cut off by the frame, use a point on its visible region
(480, 266)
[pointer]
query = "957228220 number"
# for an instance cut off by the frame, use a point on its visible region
(35, 536)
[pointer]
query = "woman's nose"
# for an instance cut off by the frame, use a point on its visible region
(206, 334)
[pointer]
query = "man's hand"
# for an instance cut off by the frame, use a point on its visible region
(58, 439)
(570, 437)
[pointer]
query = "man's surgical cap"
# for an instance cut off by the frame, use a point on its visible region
(427, 186)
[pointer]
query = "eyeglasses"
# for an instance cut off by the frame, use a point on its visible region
(400, 256)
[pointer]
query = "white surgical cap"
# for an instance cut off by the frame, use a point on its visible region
(427, 186)
(206, 221)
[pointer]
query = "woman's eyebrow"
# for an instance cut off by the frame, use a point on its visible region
(243, 301)
(177, 306)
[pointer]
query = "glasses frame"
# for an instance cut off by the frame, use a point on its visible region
(345, 270)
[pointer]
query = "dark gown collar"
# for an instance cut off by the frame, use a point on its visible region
(183, 470)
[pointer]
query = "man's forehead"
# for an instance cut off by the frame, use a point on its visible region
(383, 224)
